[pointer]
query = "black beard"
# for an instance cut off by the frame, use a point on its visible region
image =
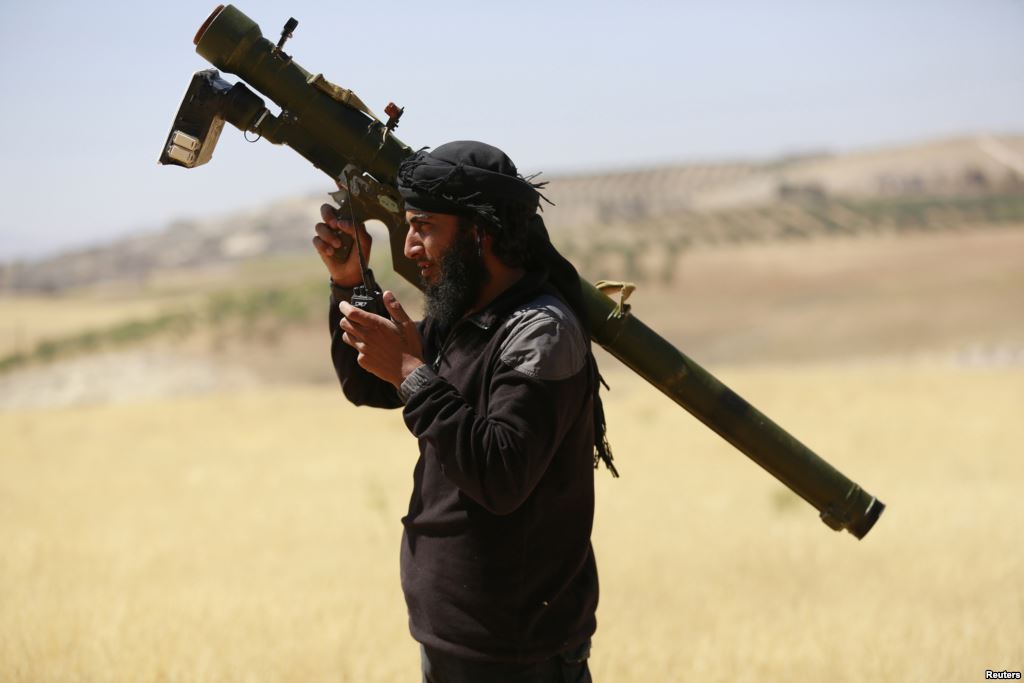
(462, 274)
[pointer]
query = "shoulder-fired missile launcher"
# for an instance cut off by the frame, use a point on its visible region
(332, 128)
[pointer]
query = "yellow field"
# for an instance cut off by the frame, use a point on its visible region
(254, 537)
(27, 320)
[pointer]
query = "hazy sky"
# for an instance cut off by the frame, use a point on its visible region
(90, 90)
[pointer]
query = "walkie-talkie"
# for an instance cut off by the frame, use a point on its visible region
(367, 296)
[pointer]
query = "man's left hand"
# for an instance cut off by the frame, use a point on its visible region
(390, 349)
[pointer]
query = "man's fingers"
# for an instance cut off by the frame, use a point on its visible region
(329, 214)
(330, 217)
(398, 313)
(323, 247)
(352, 313)
(324, 232)
(358, 317)
(352, 335)
(354, 331)
(356, 343)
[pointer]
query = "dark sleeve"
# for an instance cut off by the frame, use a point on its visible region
(535, 394)
(359, 386)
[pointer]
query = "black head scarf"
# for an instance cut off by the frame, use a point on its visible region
(480, 181)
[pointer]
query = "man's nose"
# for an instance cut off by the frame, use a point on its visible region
(413, 245)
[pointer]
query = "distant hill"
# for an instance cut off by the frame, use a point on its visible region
(641, 220)
(900, 253)
(278, 228)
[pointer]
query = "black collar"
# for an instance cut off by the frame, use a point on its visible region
(526, 288)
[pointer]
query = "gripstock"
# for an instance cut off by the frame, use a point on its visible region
(333, 129)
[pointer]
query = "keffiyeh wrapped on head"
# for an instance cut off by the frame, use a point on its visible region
(466, 178)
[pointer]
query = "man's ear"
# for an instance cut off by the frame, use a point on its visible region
(480, 236)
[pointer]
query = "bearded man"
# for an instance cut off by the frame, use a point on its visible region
(500, 388)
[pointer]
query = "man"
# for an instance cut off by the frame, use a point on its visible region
(499, 386)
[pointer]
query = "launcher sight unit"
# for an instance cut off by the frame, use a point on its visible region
(332, 128)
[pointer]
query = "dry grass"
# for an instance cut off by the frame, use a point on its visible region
(27, 320)
(254, 537)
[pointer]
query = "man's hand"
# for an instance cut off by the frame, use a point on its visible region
(344, 273)
(390, 349)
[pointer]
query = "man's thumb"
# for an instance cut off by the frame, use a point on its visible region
(398, 313)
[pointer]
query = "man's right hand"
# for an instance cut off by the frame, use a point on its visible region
(343, 273)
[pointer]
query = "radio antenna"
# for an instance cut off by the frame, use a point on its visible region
(365, 273)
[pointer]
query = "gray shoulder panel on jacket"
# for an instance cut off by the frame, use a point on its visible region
(545, 340)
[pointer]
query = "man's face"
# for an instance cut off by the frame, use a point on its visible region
(451, 266)
(429, 238)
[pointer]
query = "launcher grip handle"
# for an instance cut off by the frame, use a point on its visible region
(342, 253)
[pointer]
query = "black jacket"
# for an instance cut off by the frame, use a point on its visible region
(496, 559)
